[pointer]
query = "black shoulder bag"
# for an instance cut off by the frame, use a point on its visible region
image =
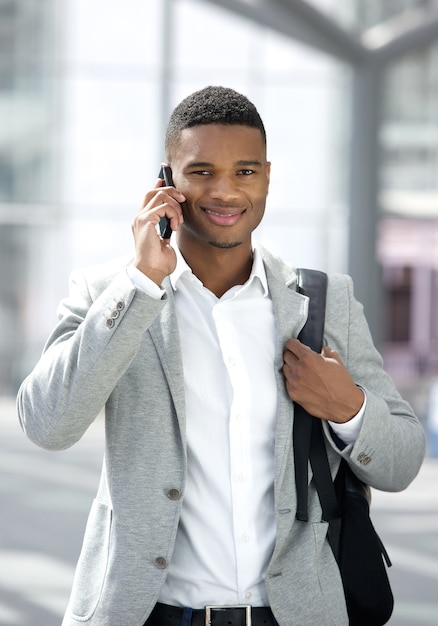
(357, 548)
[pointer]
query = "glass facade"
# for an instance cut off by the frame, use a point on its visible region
(410, 136)
(28, 163)
(409, 204)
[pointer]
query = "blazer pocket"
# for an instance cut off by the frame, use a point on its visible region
(92, 564)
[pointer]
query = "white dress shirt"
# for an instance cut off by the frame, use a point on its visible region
(227, 529)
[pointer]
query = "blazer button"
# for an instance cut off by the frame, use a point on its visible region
(110, 322)
(115, 314)
(160, 562)
(174, 494)
(120, 305)
(364, 459)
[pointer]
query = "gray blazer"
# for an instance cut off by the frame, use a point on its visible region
(116, 347)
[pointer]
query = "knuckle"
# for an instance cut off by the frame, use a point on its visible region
(306, 356)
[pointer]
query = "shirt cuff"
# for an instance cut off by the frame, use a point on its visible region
(349, 431)
(144, 283)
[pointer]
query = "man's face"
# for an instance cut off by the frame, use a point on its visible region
(223, 173)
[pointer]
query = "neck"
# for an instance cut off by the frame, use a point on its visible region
(219, 269)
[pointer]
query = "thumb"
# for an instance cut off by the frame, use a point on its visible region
(328, 353)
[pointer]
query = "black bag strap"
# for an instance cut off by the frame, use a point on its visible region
(308, 438)
(313, 284)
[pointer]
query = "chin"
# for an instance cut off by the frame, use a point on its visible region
(225, 245)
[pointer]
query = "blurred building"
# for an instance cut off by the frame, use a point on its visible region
(408, 199)
(29, 170)
(348, 92)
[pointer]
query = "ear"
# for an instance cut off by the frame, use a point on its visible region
(268, 172)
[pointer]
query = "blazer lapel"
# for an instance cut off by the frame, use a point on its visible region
(165, 335)
(290, 311)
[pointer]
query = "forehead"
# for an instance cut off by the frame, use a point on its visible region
(216, 142)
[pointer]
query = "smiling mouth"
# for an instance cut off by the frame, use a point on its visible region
(224, 218)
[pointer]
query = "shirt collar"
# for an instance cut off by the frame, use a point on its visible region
(257, 271)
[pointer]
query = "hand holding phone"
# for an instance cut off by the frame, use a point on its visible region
(166, 175)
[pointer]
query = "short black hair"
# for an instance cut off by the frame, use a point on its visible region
(212, 105)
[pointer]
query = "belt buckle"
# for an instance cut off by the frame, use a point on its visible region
(218, 607)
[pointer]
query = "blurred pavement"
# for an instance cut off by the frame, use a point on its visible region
(45, 498)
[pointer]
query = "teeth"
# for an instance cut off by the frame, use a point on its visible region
(220, 214)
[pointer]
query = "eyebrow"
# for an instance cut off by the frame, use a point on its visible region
(199, 164)
(242, 163)
(248, 163)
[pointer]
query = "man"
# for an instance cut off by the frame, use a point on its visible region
(192, 349)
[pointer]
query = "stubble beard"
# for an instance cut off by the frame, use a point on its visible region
(214, 243)
(224, 245)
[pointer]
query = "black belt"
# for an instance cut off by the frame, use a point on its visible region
(239, 615)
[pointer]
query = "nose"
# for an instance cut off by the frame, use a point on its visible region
(224, 188)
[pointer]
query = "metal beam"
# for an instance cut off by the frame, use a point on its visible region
(412, 30)
(302, 22)
(363, 193)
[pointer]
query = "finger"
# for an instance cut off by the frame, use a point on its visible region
(174, 193)
(153, 215)
(161, 205)
(289, 360)
(328, 353)
(161, 195)
(297, 348)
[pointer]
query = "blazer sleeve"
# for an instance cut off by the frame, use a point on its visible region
(390, 448)
(101, 324)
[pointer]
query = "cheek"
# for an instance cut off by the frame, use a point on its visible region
(189, 190)
(259, 199)
(260, 191)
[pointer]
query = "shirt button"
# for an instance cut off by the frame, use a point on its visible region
(174, 494)
(231, 360)
(244, 537)
(160, 562)
(248, 595)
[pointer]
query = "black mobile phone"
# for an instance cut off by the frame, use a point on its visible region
(166, 175)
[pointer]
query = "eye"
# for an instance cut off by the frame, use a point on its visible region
(245, 172)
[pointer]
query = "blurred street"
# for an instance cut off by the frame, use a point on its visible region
(45, 498)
